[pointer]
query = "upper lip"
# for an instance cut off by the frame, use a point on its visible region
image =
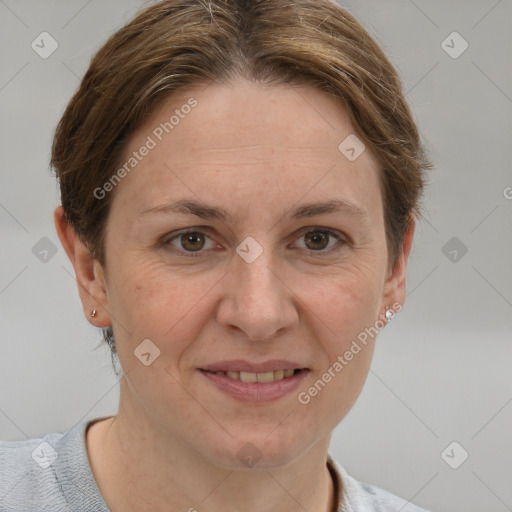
(241, 365)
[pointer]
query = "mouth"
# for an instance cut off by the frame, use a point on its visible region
(263, 377)
(255, 382)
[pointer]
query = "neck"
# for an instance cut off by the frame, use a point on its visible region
(139, 469)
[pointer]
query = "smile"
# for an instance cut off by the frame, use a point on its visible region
(271, 376)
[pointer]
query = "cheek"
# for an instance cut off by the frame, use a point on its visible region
(348, 300)
(348, 307)
(150, 301)
(353, 310)
(358, 301)
(146, 291)
(347, 303)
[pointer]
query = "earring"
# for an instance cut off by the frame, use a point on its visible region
(389, 314)
(93, 313)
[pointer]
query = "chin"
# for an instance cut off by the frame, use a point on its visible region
(252, 452)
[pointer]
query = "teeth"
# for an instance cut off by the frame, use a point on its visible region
(258, 377)
(265, 377)
(248, 377)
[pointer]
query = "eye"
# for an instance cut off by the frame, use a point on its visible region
(190, 242)
(320, 240)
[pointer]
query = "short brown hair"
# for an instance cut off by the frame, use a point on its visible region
(174, 44)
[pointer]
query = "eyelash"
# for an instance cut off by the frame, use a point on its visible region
(195, 254)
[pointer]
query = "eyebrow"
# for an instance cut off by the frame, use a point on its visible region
(204, 211)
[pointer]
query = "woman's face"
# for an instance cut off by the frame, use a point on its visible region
(285, 266)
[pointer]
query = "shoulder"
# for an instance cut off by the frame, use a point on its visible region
(362, 497)
(46, 474)
(385, 501)
(27, 472)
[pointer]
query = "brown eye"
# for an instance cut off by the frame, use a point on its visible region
(321, 241)
(317, 240)
(192, 241)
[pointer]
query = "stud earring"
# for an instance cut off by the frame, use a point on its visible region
(389, 314)
(93, 313)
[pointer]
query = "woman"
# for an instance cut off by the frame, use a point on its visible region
(239, 185)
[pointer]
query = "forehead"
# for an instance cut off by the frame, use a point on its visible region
(248, 142)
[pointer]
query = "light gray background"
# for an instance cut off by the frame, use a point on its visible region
(441, 371)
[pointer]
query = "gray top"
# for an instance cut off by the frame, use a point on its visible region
(53, 474)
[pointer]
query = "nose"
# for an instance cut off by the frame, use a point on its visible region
(256, 300)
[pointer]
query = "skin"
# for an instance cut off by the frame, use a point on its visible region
(259, 152)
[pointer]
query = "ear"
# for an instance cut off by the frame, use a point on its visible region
(395, 285)
(89, 273)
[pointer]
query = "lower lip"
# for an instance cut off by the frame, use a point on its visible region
(254, 391)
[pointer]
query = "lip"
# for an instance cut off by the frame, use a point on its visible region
(242, 365)
(255, 392)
